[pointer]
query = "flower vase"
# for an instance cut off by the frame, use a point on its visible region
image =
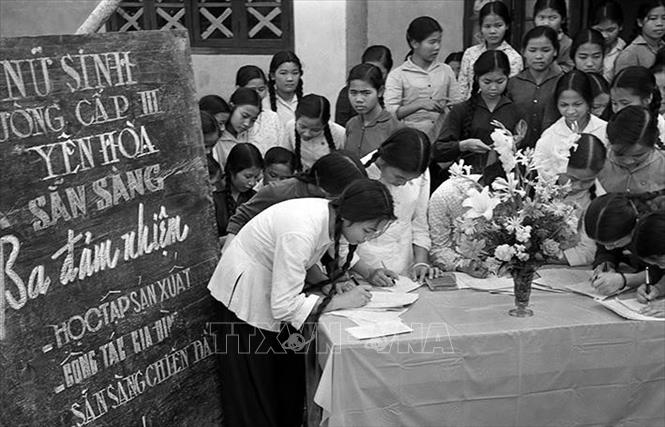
(522, 278)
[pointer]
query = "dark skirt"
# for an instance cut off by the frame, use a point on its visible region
(263, 381)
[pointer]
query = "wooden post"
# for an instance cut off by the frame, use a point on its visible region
(99, 16)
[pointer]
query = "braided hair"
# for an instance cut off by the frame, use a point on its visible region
(407, 149)
(362, 200)
(313, 107)
(488, 61)
(278, 59)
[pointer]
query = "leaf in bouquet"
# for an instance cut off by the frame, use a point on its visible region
(470, 248)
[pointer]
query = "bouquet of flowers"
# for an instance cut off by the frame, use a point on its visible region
(521, 221)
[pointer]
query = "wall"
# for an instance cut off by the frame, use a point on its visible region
(320, 41)
(389, 19)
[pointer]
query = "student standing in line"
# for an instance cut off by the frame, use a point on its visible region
(366, 131)
(467, 128)
(574, 98)
(246, 107)
(608, 19)
(649, 242)
(241, 173)
(588, 51)
(494, 20)
(634, 163)
(553, 13)
(267, 130)
(260, 282)
(311, 134)
(532, 90)
(376, 55)
(420, 90)
(285, 85)
(642, 51)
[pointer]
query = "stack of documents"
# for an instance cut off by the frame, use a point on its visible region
(628, 308)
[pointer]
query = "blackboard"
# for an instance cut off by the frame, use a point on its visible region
(107, 234)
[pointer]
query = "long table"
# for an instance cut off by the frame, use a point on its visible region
(468, 363)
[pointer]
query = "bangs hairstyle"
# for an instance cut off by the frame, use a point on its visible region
(368, 73)
(641, 82)
(242, 156)
(608, 11)
(378, 53)
(590, 154)
(542, 31)
(499, 9)
(577, 81)
(313, 107)
(278, 59)
(214, 104)
(281, 156)
(610, 217)
(419, 29)
(647, 7)
(558, 6)
(407, 149)
(246, 73)
(208, 123)
(245, 96)
(650, 235)
(334, 171)
(588, 35)
(632, 125)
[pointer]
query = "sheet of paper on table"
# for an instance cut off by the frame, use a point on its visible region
(628, 308)
(361, 316)
(388, 300)
(378, 330)
(561, 278)
(403, 284)
(492, 283)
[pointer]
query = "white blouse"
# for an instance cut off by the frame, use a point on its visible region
(286, 110)
(262, 273)
(267, 131)
(394, 248)
(549, 155)
(315, 148)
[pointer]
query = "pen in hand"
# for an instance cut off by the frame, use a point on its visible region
(392, 279)
(649, 276)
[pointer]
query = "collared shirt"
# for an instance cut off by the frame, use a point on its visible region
(286, 110)
(261, 275)
(639, 52)
(409, 83)
(550, 158)
(226, 205)
(362, 138)
(535, 101)
(267, 131)
(465, 78)
(394, 248)
(315, 148)
(225, 143)
(610, 59)
(446, 147)
(648, 176)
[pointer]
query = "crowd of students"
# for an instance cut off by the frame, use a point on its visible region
(304, 199)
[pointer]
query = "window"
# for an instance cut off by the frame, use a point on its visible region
(232, 26)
